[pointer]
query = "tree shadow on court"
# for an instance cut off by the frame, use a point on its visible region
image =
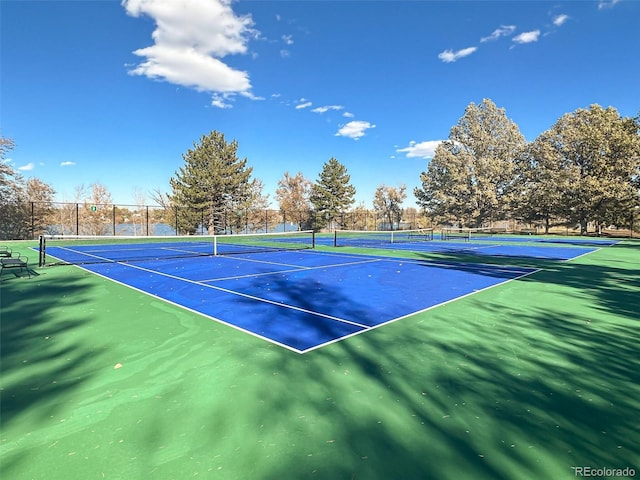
(42, 362)
(487, 387)
(521, 381)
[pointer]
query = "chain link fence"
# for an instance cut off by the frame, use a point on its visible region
(28, 221)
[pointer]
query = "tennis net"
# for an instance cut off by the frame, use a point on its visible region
(472, 233)
(371, 238)
(78, 249)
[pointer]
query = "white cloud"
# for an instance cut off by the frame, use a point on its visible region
(503, 31)
(348, 115)
(560, 20)
(527, 37)
(285, 53)
(190, 38)
(220, 101)
(607, 4)
(327, 108)
(354, 129)
(67, 164)
(449, 56)
(27, 167)
(303, 105)
(287, 39)
(420, 150)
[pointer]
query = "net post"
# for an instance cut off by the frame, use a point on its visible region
(335, 238)
(41, 251)
(313, 239)
(215, 245)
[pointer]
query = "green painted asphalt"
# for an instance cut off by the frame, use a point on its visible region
(524, 380)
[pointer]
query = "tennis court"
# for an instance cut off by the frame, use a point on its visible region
(497, 245)
(286, 361)
(275, 287)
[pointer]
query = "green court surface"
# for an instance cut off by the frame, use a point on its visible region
(521, 381)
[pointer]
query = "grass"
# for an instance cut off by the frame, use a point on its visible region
(524, 380)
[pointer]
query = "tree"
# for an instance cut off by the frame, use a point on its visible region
(40, 196)
(293, 195)
(540, 186)
(470, 178)
(388, 202)
(598, 153)
(25, 204)
(9, 178)
(251, 212)
(12, 196)
(332, 194)
(97, 210)
(211, 180)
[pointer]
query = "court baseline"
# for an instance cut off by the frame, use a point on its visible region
(319, 302)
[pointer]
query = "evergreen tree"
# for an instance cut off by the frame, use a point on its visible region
(540, 186)
(332, 194)
(598, 152)
(470, 178)
(211, 181)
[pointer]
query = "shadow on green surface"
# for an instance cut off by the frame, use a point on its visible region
(522, 381)
(41, 362)
(491, 389)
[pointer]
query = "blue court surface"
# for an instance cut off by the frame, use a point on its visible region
(552, 241)
(303, 300)
(514, 248)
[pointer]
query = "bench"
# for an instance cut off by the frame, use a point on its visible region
(20, 262)
(5, 252)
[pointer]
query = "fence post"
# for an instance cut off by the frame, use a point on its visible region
(77, 219)
(113, 216)
(33, 224)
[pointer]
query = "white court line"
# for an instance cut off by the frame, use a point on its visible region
(184, 307)
(105, 259)
(368, 329)
(268, 262)
(245, 295)
(431, 263)
(300, 269)
(111, 260)
(365, 328)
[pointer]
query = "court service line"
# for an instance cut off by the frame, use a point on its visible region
(245, 295)
(268, 262)
(300, 269)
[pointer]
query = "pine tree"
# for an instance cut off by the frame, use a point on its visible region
(212, 181)
(599, 155)
(470, 178)
(540, 186)
(332, 194)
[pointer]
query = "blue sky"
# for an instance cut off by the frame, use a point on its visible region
(115, 92)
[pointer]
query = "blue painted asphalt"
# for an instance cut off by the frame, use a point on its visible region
(304, 300)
